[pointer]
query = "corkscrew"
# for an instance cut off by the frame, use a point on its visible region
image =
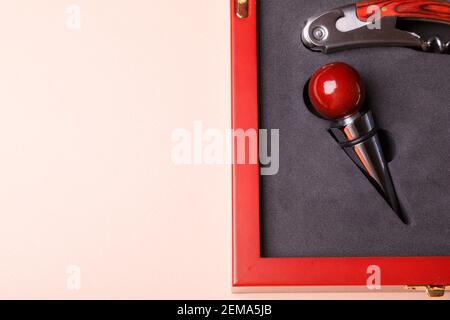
(373, 23)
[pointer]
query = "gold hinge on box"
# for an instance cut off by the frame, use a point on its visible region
(433, 291)
(242, 8)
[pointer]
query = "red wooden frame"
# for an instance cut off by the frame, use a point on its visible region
(249, 268)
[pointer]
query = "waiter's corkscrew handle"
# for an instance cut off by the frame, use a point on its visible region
(432, 10)
(352, 26)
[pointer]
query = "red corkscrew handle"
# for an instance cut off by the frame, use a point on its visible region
(433, 10)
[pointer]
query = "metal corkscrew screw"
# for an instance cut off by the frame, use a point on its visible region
(435, 44)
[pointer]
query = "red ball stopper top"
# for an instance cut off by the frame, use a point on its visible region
(336, 91)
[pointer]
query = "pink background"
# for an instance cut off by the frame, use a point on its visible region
(86, 176)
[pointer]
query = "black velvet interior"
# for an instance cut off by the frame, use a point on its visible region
(320, 204)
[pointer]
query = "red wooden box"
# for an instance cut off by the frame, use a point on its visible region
(251, 272)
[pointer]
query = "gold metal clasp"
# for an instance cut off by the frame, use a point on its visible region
(433, 291)
(242, 8)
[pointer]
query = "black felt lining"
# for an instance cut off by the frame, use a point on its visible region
(320, 204)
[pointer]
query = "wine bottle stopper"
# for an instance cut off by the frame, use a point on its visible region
(337, 93)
